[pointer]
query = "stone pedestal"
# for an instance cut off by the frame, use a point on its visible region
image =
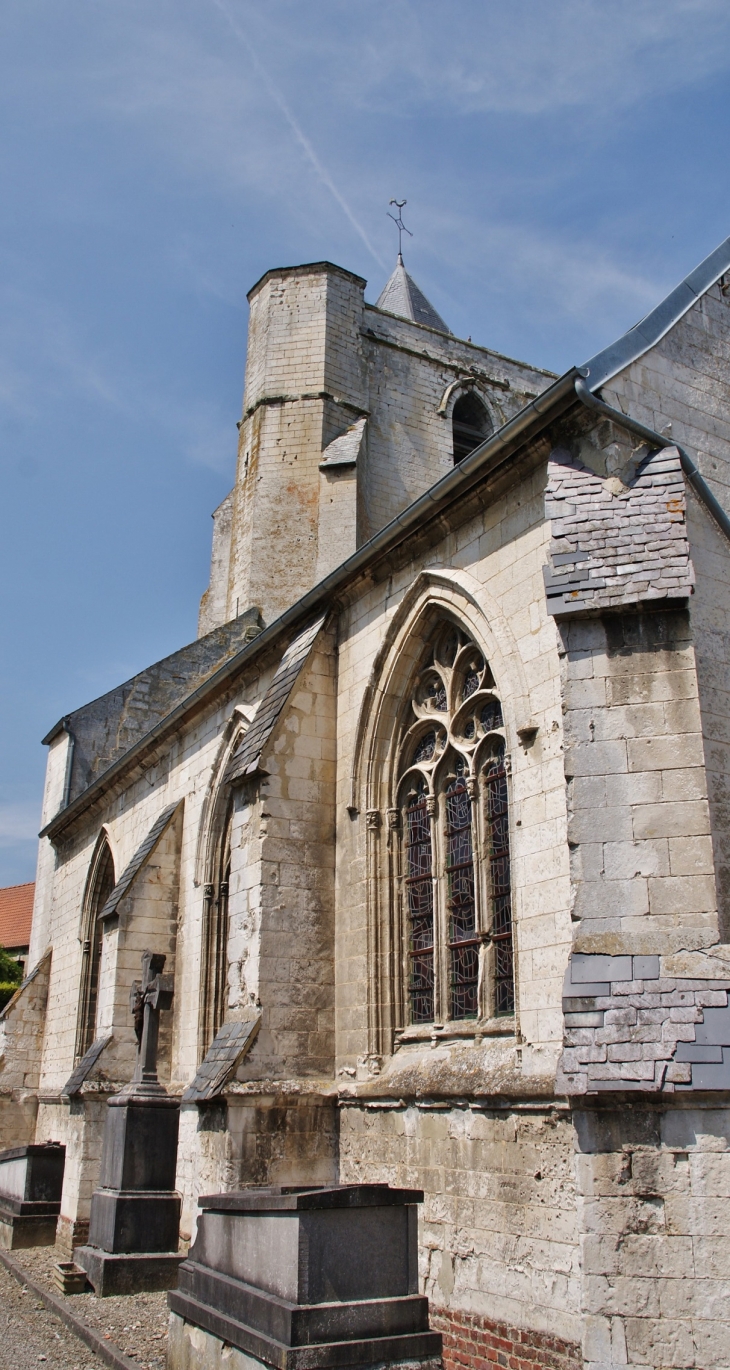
(135, 1212)
(31, 1181)
(301, 1278)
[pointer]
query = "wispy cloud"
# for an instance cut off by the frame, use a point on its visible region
(296, 128)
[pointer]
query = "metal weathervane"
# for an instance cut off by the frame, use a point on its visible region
(399, 204)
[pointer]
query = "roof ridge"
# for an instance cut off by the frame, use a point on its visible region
(645, 334)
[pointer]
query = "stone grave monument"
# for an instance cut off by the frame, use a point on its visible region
(298, 1278)
(135, 1212)
(31, 1180)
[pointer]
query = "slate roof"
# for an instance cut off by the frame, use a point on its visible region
(84, 1068)
(245, 761)
(140, 856)
(222, 1058)
(16, 913)
(616, 546)
(344, 450)
(402, 296)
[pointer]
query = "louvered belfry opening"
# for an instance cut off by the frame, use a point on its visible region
(471, 424)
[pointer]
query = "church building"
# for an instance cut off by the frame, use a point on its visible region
(432, 825)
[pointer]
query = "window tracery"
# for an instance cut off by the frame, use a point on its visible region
(455, 870)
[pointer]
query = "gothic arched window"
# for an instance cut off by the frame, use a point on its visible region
(98, 888)
(455, 869)
(214, 968)
(471, 424)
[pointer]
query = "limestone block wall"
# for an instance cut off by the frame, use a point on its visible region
(410, 444)
(498, 1231)
(57, 767)
(488, 575)
(681, 387)
(653, 1187)
(641, 848)
(250, 1136)
(304, 385)
(80, 1126)
(711, 638)
(283, 899)
(22, 1023)
(214, 603)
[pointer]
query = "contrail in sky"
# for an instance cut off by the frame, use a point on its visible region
(299, 134)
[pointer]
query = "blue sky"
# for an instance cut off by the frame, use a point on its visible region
(564, 162)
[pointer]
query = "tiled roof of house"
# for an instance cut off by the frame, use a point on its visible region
(16, 912)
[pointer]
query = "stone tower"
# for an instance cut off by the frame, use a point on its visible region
(305, 386)
(348, 417)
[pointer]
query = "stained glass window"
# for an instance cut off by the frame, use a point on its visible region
(500, 889)
(419, 902)
(454, 778)
(463, 941)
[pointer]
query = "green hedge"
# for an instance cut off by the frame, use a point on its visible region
(11, 974)
(6, 993)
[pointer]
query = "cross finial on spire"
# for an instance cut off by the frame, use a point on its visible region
(400, 226)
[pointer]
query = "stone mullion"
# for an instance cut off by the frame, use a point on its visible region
(481, 899)
(440, 952)
(394, 979)
(374, 939)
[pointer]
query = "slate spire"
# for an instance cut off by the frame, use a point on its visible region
(402, 296)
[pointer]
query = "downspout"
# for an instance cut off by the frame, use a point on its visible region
(698, 482)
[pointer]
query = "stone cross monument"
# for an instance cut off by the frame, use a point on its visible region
(147, 998)
(135, 1212)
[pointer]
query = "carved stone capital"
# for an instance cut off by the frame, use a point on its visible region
(431, 805)
(372, 818)
(393, 818)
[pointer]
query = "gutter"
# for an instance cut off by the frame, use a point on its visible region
(483, 461)
(696, 480)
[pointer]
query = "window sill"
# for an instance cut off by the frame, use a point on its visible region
(472, 1030)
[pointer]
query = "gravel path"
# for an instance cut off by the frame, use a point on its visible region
(33, 1339)
(136, 1323)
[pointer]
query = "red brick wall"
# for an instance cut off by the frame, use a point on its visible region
(472, 1342)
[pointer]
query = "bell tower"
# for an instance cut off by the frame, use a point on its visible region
(305, 386)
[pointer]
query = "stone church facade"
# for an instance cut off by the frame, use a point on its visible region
(431, 824)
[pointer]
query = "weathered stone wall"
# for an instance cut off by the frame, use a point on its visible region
(499, 1225)
(281, 905)
(653, 1189)
(251, 1135)
(22, 1027)
(304, 385)
(711, 638)
(488, 575)
(641, 849)
(410, 368)
(214, 603)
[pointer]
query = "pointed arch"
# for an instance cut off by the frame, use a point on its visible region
(213, 866)
(435, 592)
(99, 884)
(446, 704)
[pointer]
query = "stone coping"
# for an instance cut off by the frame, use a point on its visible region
(15, 1153)
(286, 1199)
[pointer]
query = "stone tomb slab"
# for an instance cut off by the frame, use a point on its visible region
(297, 1278)
(31, 1181)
